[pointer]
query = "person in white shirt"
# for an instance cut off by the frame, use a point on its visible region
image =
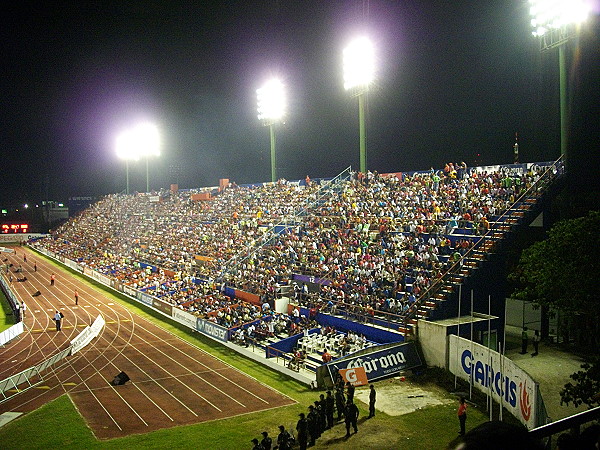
(58, 318)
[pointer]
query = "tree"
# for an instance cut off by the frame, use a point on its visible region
(561, 273)
(586, 389)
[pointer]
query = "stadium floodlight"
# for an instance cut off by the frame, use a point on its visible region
(554, 22)
(142, 140)
(554, 19)
(271, 110)
(359, 73)
(359, 64)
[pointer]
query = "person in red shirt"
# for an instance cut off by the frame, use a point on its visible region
(326, 356)
(462, 415)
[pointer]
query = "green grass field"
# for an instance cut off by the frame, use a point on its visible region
(59, 425)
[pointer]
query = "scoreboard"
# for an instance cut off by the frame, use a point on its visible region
(13, 228)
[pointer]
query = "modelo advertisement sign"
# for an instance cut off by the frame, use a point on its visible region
(381, 363)
(492, 373)
(211, 329)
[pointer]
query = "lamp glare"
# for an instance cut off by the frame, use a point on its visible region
(271, 101)
(550, 15)
(359, 64)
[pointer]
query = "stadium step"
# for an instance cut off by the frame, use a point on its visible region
(405, 330)
(471, 263)
(430, 304)
(448, 289)
(422, 314)
(456, 278)
(465, 271)
(480, 253)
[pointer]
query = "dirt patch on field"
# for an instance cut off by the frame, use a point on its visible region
(396, 397)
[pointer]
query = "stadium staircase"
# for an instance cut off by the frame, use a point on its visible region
(440, 300)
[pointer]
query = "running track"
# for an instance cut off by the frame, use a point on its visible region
(172, 383)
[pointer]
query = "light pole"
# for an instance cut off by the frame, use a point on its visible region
(554, 22)
(359, 71)
(126, 150)
(149, 144)
(271, 110)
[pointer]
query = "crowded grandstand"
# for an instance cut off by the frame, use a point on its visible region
(369, 247)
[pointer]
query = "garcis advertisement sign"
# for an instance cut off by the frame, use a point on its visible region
(492, 373)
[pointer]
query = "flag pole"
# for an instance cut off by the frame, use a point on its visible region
(458, 332)
(489, 381)
(471, 377)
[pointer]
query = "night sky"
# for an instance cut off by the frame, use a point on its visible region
(454, 80)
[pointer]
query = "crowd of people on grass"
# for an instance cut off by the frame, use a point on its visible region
(378, 241)
(326, 412)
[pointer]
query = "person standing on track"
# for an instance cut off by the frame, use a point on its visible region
(34, 266)
(76, 297)
(23, 309)
(52, 279)
(58, 318)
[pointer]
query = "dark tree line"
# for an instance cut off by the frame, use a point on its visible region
(562, 274)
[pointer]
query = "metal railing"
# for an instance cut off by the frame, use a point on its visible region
(568, 423)
(541, 184)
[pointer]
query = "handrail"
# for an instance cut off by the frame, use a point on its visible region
(402, 319)
(551, 171)
(565, 424)
(361, 313)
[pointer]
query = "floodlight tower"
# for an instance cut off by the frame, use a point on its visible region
(359, 71)
(141, 140)
(127, 150)
(554, 22)
(271, 110)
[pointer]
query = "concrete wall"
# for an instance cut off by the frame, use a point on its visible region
(434, 343)
(520, 313)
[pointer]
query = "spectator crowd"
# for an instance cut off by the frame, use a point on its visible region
(376, 242)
